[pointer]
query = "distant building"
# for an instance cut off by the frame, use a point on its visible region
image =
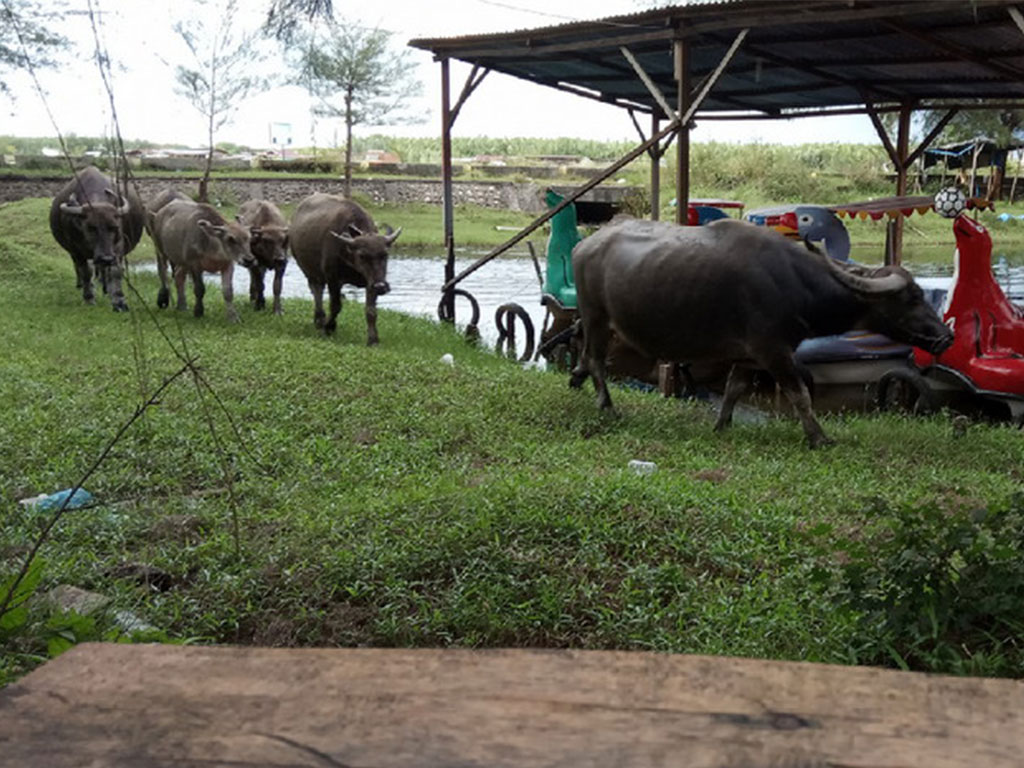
(380, 156)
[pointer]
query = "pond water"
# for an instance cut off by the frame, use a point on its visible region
(416, 281)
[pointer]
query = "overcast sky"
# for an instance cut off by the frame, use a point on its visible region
(139, 37)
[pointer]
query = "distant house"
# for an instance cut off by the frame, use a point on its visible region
(380, 157)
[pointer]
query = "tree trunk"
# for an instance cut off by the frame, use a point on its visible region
(205, 181)
(348, 144)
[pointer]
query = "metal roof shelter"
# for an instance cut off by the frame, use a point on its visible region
(754, 59)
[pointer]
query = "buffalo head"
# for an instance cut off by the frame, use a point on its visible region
(233, 238)
(101, 226)
(896, 306)
(368, 255)
(269, 245)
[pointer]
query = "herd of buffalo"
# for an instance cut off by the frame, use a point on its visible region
(728, 293)
(333, 240)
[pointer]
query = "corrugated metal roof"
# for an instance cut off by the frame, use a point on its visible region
(799, 55)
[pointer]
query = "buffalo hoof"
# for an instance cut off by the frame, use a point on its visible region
(163, 298)
(819, 441)
(259, 304)
(90, 300)
(198, 311)
(577, 378)
(122, 307)
(319, 320)
(330, 328)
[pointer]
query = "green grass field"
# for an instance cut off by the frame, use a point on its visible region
(383, 498)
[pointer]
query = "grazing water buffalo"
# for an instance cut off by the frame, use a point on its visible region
(335, 242)
(91, 221)
(738, 294)
(194, 238)
(269, 246)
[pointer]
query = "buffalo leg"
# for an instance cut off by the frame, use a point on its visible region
(278, 281)
(596, 337)
(737, 385)
(787, 376)
(180, 276)
(163, 297)
(256, 287)
(114, 285)
(199, 289)
(83, 273)
(317, 289)
(334, 291)
(227, 289)
(371, 318)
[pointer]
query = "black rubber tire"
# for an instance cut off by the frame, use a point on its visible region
(904, 390)
(504, 319)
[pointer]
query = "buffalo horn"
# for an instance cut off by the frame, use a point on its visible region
(887, 284)
(121, 202)
(346, 239)
(218, 228)
(71, 207)
(392, 236)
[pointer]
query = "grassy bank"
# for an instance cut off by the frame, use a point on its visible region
(383, 498)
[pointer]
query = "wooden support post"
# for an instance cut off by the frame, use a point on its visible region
(902, 152)
(655, 155)
(448, 202)
(682, 66)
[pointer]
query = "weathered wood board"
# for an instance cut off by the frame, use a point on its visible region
(148, 706)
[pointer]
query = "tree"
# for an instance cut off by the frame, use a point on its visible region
(222, 75)
(25, 40)
(355, 75)
(284, 17)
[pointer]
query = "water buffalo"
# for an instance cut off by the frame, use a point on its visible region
(194, 238)
(336, 242)
(269, 246)
(91, 221)
(737, 294)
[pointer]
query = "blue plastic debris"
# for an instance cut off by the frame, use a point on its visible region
(55, 500)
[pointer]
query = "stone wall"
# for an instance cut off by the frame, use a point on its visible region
(505, 195)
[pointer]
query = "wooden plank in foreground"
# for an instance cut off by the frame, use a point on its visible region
(162, 706)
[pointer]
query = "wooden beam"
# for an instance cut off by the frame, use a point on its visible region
(156, 706)
(467, 90)
(859, 110)
(682, 74)
(655, 91)
(882, 133)
(935, 131)
(655, 153)
(566, 202)
(1018, 19)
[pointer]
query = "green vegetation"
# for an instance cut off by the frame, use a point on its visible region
(384, 498)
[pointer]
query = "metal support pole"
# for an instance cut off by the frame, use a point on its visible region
(682, 66)
(655, 155)
(448, 202)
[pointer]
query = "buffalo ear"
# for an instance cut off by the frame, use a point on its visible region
(346, 239)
